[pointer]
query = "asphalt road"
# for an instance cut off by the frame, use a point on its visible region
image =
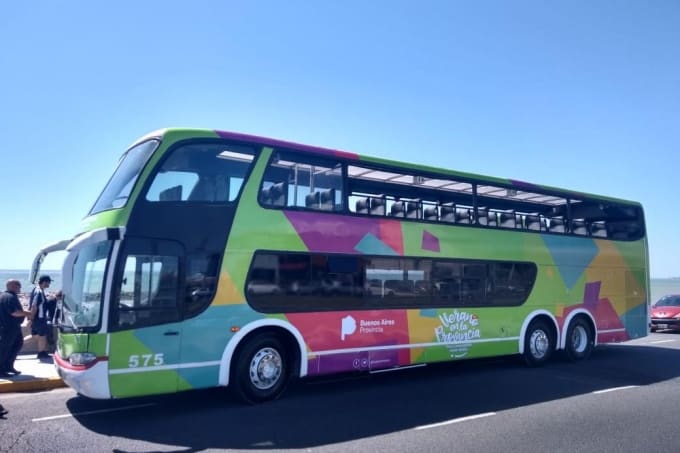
(624, 399)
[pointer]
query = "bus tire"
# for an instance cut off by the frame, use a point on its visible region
(580, 340)
(261, 370)
(539, 343)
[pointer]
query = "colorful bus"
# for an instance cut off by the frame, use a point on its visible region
(221, 259)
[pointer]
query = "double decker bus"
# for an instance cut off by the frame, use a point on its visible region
(220, 259)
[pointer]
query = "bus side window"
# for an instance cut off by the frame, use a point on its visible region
(303, 182)
(201, 173)
(212, 188)
(149, 291)
(171, 194)
(201, 282)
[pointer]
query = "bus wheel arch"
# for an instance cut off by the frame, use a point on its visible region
(580, 336)
(261, 368)
(263, 341)
(539, 338)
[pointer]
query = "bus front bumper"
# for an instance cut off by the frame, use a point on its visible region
(92, 381)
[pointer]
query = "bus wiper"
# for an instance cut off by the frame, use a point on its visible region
(72, 326)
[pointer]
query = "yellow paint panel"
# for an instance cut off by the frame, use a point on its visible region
(421, 328)
(610, 268)
(227, 292)
(417, 355)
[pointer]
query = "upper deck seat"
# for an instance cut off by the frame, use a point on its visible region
(312, 200)
(327, 200)
(598, 229)
(556, 225)
(463, 215)
(579, 227)
(533, 222)
(362, 206)
(507, 219)
(413, 210)
(447, 213)
(274, 195)
(398, 209)
(430, 213)
(486, 217)
(378, 206)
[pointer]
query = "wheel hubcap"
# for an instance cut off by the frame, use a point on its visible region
(579, 339)
(266, 368)
(538, 343)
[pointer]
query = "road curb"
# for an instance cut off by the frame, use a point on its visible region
(31, 385)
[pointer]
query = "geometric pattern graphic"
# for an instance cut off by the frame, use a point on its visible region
(371, 245)
(430, 242)
(603, 312)
(340, 234)
(570, 261)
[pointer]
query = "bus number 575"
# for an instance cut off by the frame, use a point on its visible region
(144, 360)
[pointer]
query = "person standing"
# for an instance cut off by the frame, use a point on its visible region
(11, 316)
(53, 309)
(38, 306)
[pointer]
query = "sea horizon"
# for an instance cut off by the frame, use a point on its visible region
(659, 286)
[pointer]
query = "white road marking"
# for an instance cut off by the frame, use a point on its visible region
(614, 389)
(661, 341)
(101, 411)
(455, 420)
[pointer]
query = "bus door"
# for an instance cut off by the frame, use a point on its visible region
(144, 322)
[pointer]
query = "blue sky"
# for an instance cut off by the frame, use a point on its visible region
(576, 94)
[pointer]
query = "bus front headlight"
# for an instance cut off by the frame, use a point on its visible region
(81, 358)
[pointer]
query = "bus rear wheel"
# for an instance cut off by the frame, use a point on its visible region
(261, 370)
(539, 343)
(580, 340)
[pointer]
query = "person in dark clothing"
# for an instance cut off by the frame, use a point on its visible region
(53, 310)
(38, 306)
(11, 317)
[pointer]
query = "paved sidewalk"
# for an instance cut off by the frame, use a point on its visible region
(36, 374)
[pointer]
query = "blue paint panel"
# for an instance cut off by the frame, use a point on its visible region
(371, 245)
(201, 377)
(571, 259)
(635, 321)
(429, 313)
(205, 337)
(154, 339)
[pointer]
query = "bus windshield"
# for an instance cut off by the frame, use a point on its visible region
(82, 302)
(119, 187)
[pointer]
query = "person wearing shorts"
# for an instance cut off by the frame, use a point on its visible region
(38, 306)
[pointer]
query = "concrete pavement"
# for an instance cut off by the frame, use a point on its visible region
(36, 374)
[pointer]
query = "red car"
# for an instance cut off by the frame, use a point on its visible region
(666, 313)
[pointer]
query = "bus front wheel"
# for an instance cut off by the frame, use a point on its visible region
(539, 343)
(580, 340)
(261, 370)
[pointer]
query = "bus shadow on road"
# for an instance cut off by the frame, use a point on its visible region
(318, 412)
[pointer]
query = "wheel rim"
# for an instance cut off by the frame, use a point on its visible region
(538, 344)
(266, 368)
(579, 339)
